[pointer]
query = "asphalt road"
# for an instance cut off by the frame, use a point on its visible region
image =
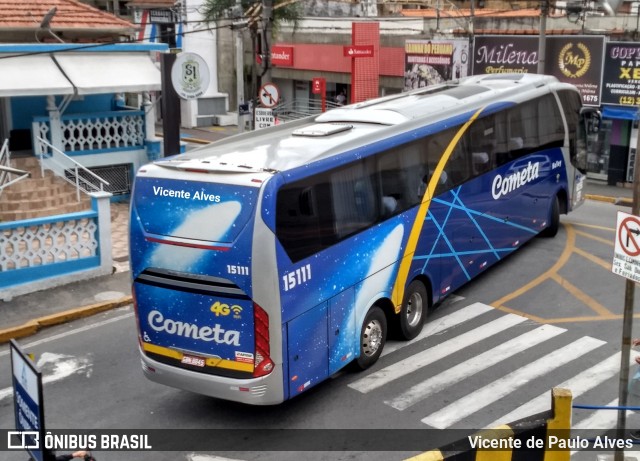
(548, 315)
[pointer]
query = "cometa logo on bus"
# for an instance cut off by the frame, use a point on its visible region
(502, 186)
(189, 330)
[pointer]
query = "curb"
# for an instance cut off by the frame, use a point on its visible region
(189, 139)
(623, 201)
(196, 140)
(31, 327)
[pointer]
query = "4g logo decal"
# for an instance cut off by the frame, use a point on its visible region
(223, 309)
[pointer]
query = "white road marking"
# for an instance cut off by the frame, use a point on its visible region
(437, 326)
(472, 366)
(56, 367)
(198, 457)
(578, 385)
(435, 353)
(498, 389)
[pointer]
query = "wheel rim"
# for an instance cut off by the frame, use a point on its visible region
(414, 309)
(372, 338)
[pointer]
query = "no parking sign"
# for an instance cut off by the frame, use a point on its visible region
(626, 256)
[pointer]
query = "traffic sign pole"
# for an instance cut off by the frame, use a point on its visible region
(627, 323)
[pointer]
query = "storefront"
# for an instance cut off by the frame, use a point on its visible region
(613, 147)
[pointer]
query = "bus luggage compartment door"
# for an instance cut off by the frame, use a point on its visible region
(307, 349)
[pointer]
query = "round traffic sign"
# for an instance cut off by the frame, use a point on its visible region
(629, 236)
(269, 95)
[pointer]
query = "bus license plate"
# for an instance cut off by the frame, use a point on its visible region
(193, 361)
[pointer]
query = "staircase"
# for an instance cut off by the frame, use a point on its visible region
(39, 196)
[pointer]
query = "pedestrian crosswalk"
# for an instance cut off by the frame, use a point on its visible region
(453, 390)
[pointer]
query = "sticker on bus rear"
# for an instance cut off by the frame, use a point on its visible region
(202, 325)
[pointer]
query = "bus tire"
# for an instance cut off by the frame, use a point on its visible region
(414, 307)
(373, 336)
(554, 219)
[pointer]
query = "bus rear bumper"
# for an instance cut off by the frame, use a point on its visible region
(266, 390)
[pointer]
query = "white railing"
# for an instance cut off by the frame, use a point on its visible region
(6, 170)
(95, 132)
(300, 108)
(53, 159)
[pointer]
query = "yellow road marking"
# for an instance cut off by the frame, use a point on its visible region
(609, 242)
(553, 274)
(562, 260)
(593, 226)
(594, 259)
(581, 295)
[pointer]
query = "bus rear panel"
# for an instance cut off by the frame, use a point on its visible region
(199, 327)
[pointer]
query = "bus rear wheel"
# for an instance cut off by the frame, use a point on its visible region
(554, 219)
(413, 309)
(373, 336)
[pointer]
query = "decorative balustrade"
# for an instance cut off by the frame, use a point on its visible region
(95, 132)
(44, 252)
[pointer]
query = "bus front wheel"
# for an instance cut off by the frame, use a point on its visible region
(554, 219)
(413, 309)
(372, 338)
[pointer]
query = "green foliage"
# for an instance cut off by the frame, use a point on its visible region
(218, 9)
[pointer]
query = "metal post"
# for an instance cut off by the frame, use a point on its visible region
(627, 322)
(542, 40)
(472, 13)
(170, 108)
(240, 78)
(267, 12)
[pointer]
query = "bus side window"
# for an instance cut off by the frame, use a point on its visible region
(305, 203)
(458, 170)
(392, 183)
(297, 225)
(354, 199)
(480, 163)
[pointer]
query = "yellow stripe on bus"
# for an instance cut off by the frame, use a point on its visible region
(210, 362)
(405, 264)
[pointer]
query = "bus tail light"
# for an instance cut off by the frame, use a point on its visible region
(262, 365)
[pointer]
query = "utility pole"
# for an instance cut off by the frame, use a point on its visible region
(627, 322)
(472, 13)
(267, 12)
(542, 41)
(240, 99)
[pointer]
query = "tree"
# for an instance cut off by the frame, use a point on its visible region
(250, 12)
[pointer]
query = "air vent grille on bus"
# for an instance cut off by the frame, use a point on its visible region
(190, 282)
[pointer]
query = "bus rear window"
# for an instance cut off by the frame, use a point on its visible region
(193, 210)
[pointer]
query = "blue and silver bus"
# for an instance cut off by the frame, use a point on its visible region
(266, 262)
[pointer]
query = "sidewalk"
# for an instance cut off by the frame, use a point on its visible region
(24, 315)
